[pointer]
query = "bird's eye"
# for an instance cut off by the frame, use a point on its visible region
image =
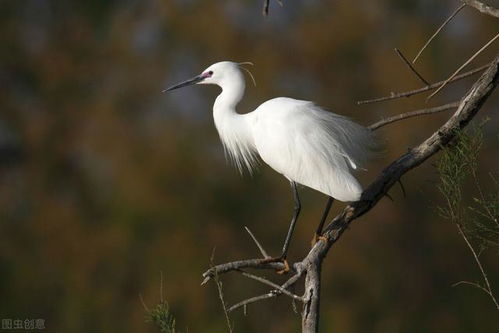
(211, 73)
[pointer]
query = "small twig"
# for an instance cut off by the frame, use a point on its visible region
(266, 4)
(220, 294)
(272, 284)
(260, 247)
(402, 187)
(271, 294)
(161, 286)
(438, 31)
(473, 284)
(411, 114)
(252, 300)
(423, 89)
(487, 287)
(462, 66)
(410, 66)
(144, 303)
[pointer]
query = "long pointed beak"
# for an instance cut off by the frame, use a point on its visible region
(186, 83)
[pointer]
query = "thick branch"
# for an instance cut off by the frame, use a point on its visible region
(311, 308)
(240, 264)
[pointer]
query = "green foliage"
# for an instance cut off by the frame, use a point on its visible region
(161, 317)
(458, 164)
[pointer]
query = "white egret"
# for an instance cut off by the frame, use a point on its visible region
(301, 141)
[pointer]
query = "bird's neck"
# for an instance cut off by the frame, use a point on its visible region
(233, 128)
(231, 95)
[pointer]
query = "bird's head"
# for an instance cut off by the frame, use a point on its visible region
(221, 73)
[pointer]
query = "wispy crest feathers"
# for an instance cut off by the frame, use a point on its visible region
(247, 70)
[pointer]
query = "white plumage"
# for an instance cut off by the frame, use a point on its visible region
(310, 146)
(298, 139)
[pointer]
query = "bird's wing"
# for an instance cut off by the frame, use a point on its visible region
(311, 146)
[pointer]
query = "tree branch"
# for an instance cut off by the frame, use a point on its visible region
(463, 65)
(411, 114)
(423, 89)
(240, 264)
(272, 284)
(271, 294)
(410, 66)
(438, 31)
(260, 247)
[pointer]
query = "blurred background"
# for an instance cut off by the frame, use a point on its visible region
(105, 182)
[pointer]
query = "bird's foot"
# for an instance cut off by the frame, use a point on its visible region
(284, 261)
(285, 270)
(317, 238)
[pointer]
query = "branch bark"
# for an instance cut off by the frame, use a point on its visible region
(482, 7)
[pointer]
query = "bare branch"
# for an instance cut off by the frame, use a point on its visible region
(411, 114)
(224, 305)
(424, 89)
(462, 66)
(260, 247)
(240, 264)
(438, 31)
(473, 284)
(271, 294)
(220, 293)
(483, 8)
(272, 284)
(252, 300)
(410, 66)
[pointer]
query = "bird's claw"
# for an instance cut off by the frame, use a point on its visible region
(285, 263)
(286, 267)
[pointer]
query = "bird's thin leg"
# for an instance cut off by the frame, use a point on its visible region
(318, 232)
(296, 212)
